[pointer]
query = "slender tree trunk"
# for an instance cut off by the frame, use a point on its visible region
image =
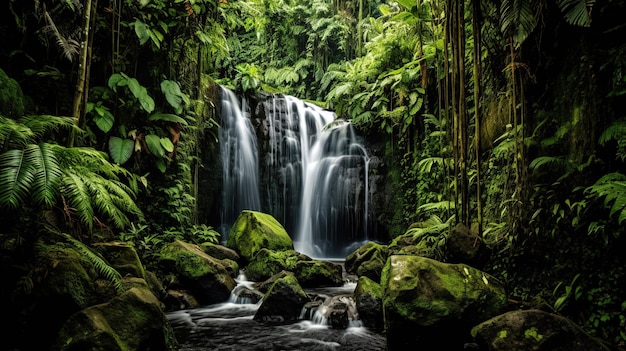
(462, 111)
(476, 27)
(79, 95)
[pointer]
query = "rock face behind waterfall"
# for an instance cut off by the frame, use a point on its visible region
(427, 301)
(254, 231)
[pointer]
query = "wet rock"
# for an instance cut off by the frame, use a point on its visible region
(338, 316)
(123, 257)
(533, 330)
(204, 276)
(283, 302)
(463, 246)
(426, 301)
(253, 231)
(368, 296)
(131, 321)
(368, 260)
(220, 252)
(267, 263)
(317, 273)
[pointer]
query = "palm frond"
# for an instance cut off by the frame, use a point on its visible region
(47, 174)
(517, 19)
(552, 162)
(577, 12)
(69, 47)
(16, 177)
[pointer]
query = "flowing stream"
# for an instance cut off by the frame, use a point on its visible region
(230, 326)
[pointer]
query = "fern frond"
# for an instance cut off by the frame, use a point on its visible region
(33, 171)
(436, 206)
(616, 131)
(47, 174)
(552, 162)
(78, 196)
(40, 125)
(16, 177)
(14, 134)
(100, 265)
(611, 187)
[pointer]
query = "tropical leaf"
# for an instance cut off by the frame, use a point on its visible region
(120, 149)
(174, 96)
(154, 145)
(553, 162)
(167, 117)
(517, 19)
(78, 196)
(47, 174)
(577, 12)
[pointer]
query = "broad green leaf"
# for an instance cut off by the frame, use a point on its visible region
(173, 95)
(120, 149)
(154, 145)
(167, 144)
(114, 81)
(142, 31)
(167, 117)
(104, 118)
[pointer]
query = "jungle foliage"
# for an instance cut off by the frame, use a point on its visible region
(504, 115)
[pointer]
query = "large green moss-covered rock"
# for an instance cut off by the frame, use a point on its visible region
(429, 301)
(206, 277)
(253, 231)
(132, 321)
(283, 302)
(123, 257)
(533, 330)
(368, 296)
(267, 263)
(11, 97)
(318, 273)
(368, 260)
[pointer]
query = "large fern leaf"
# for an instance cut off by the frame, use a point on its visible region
(14, 134)
(611, 187)
(78, 197)
(31, 172)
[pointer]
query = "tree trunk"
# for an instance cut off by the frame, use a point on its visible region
(78, 109)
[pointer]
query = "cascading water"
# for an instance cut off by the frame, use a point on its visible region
(309, 167)
(238, 149)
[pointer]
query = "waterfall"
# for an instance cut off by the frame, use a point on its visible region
(239, 153)
(309, 168)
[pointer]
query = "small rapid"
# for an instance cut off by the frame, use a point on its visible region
(230, 325)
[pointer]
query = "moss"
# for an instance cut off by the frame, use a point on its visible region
(254, 231)
(11, 97)
(503, 334)
(532, 333)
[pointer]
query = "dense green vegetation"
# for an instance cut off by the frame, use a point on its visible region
(505, 115)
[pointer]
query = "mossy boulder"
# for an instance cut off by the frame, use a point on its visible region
(11, 97)
(429, 301)
(204, 276)
(267, 263)
(533, 330)
(317, 273)
(368, 260)
(123, 257)
(465, 246)
(283, 302)
(368, 296)
(65, 282)
(253, 231)
(219, 251)
(132, 321)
